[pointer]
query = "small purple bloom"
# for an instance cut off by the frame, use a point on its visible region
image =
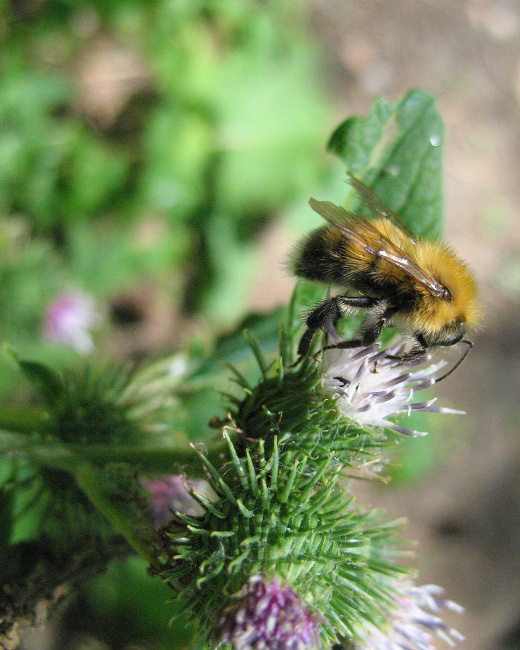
(265, 615)
(70, 318)
(169, 494)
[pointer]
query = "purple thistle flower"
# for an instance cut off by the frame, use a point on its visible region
(170, 494)
(412, 625)
(369, 385)
(265, 615)
(70, 318)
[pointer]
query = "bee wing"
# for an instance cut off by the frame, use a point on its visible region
(345, 221)
(377, 206)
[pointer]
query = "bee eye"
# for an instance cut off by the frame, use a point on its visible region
(446, 294)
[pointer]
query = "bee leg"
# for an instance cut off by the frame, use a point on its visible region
(342, 345)
(419, 348)
(361, 339)
(326, 315)
(370, 329)
(305, 343)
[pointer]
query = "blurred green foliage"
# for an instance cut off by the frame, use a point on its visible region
(148, 142)
(109, 610)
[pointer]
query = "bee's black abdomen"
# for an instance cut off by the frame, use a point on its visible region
(320, 256)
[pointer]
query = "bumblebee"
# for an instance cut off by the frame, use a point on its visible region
(418, 285)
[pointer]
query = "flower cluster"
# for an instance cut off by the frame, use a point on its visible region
(280, 511)
(277, 515)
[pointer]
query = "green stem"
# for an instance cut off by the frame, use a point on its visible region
(159, 460)
(24, 419)
(48, 454)
(89, 479)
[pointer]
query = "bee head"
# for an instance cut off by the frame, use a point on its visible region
(447, 314)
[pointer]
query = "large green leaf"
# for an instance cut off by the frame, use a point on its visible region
(397, 152)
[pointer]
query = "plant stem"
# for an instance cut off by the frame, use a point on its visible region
(90, 480)
(157, 460)
(23, 419)
(160, 460)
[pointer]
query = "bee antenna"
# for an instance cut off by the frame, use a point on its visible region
(447, 374)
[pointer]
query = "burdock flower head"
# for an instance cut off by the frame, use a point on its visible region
(267, 615)
(370, 385)
(415, 621)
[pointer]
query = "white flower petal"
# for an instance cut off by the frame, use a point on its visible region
(370, 385)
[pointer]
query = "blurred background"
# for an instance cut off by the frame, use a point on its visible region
(156, 159)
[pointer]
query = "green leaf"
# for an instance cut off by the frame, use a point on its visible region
(357, 141)
(44, 380)
(397, 152)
